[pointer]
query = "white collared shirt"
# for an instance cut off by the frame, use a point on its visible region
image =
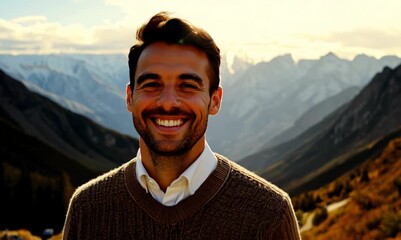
(185, 185)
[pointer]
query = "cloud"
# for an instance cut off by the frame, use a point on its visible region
(29, 20)
(367, 38)
(264, 31)
(37, 35)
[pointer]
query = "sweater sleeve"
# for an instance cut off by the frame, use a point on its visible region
(286, 228)
(68, 228)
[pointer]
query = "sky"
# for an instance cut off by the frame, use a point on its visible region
(258, 30)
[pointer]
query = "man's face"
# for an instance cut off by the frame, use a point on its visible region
(170, 102)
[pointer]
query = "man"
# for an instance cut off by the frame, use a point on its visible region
(176, 187)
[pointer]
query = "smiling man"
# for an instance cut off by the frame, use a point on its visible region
(170, 103)
(177, 187)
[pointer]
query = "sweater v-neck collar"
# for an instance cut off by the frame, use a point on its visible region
(185, 208)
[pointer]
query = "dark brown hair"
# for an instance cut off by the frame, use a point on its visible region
(163, 28)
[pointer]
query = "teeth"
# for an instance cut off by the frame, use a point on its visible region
(169, 123)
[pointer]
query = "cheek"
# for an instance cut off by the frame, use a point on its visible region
(202, 106)
(139, 104)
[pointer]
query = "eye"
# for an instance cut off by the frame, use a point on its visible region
(188, 85)
(150, 85)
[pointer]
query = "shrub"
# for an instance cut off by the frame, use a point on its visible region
(300, 216)
(391, 224)
(364, 200)
(306, 202)
(397, 183)
(364, 176)
(320, 215)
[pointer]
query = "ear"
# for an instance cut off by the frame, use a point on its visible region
(215, 101)
(128, 98)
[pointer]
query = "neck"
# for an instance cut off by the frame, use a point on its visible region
(165, 169)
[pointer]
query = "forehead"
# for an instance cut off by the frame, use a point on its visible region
(173, 57)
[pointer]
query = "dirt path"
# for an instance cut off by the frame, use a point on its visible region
(334, 206)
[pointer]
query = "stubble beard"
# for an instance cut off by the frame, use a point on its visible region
(162, 154)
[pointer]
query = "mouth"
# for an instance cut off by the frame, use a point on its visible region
(169, 123)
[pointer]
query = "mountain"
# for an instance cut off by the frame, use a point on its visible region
(372, 193)
(91, 85)
(258, 161)
(338, 143)
(232, 70)
(270, 97)
(46, 152)
(260, 101)
(314, 115)
(88, 84)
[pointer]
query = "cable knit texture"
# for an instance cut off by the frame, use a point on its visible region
(233, 203)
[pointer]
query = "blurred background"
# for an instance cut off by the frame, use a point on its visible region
(312, 103)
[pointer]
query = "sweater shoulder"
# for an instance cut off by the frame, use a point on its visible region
(264, 202)
(105, 185)
(253, 183)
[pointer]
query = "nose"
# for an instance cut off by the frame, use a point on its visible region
(168, 98)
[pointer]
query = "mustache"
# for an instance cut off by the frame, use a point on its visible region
(172, 112)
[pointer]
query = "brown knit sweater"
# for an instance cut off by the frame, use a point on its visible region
(232, 203)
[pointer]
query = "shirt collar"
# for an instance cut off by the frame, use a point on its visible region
(141, 173)
(195, 174)
(199, 170)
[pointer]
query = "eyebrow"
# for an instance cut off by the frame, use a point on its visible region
(145, 76)
(185, 76)
(191, 76)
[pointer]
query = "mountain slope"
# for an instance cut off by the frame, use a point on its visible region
(314, 115)
(373, 190)
(258, 161)
(35, 181)
(47, 151)
(372, 114)
(91, 85)
(270, 96)
(64, 130)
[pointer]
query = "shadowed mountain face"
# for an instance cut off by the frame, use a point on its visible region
(340, 141)
(47, 151)
(96, 147)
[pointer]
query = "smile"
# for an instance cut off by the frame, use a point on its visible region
(169, 123)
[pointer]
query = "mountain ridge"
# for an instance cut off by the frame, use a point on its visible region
(373, 113)
(268, 98)
(260, 100)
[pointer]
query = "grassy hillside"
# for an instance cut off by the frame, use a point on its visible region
(374, 207)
